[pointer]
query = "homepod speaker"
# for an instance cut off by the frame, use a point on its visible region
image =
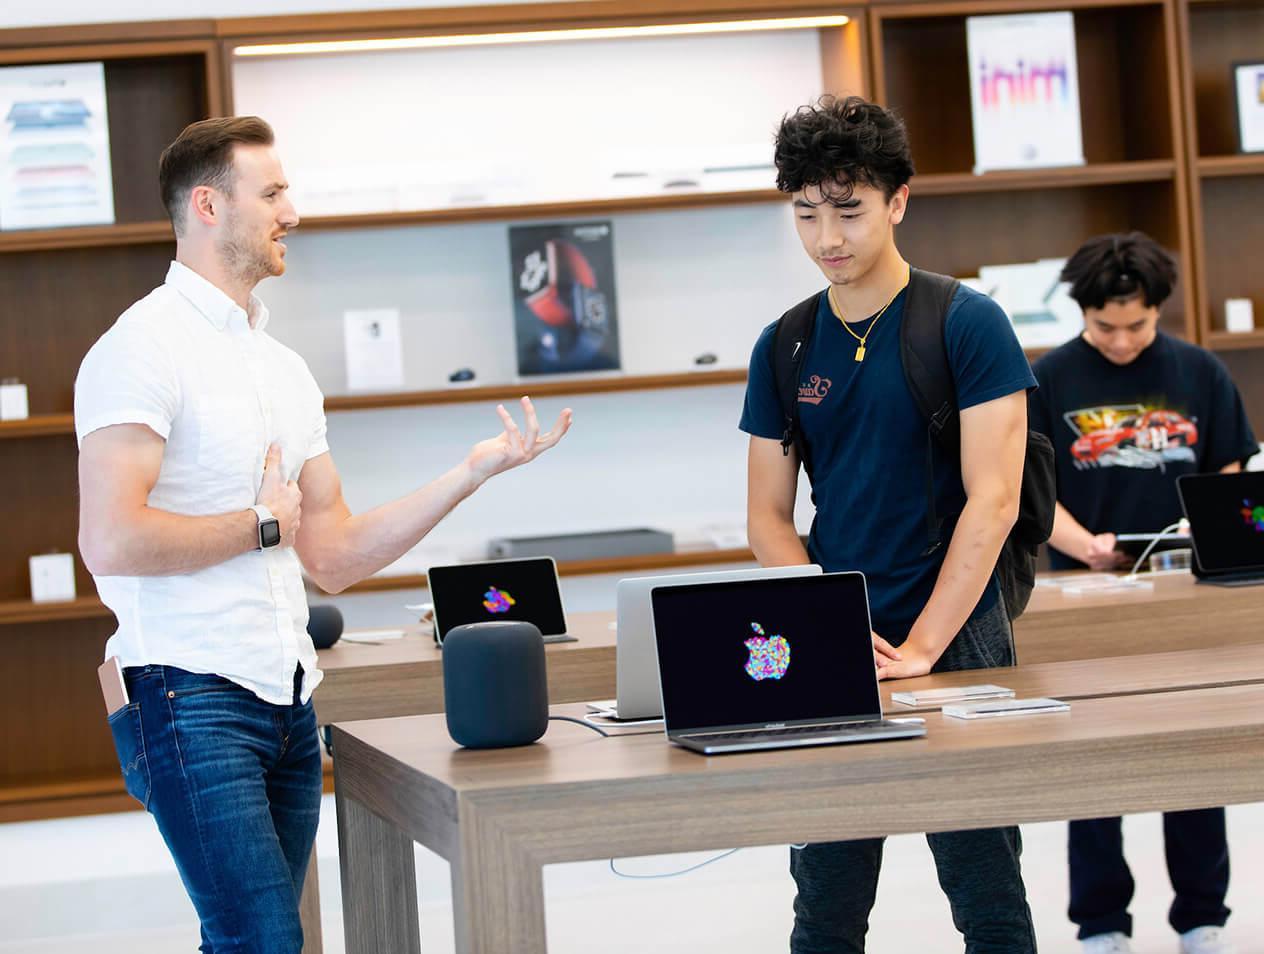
(324, 625)
(495, 689)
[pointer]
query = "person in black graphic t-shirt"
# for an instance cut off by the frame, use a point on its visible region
(1128, 410)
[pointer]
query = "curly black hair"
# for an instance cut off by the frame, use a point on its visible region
(837, 143)
(1120, 268)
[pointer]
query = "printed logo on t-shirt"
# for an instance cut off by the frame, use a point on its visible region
(1139, 436)
(815, 391)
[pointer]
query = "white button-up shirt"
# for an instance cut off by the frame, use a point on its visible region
(186, 362)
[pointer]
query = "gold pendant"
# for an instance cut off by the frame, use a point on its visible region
(860, 352)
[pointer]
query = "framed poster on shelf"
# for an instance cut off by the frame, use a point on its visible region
(1248, 89)
(565, 316)
(1024, 91)
(54, 147)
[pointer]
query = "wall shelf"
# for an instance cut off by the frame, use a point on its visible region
(690, 199)
(1067, 177)
(649, 561)
(1227, 166)
(40, 425)
(86, 236)
(547, 387)
(25, 611)
(1234, 341)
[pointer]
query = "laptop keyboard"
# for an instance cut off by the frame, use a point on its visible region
(794, 731)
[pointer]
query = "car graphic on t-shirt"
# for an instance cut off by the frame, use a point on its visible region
(1130, 437)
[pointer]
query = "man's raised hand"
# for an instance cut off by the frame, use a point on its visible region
(515, 447)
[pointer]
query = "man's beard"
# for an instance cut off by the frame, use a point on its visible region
(246, 263)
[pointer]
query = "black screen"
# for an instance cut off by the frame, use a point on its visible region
(702, 631)
(1226, 519)
(524, 590)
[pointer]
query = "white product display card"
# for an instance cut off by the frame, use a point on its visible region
(52, 577)
(1248, 82)
(374, 347)
(54, 147)
(13, 402)
(1239, 315)
(1024, 91)
(938, 697)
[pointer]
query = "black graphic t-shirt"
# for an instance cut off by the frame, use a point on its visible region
(1122, 435)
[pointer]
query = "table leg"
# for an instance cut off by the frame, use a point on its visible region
(309, 909)
(379, 883)
(497, 899)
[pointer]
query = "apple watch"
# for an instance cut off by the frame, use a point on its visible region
(269, 527)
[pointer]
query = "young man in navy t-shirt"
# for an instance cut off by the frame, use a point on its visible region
(1129, 410)
(846, 165)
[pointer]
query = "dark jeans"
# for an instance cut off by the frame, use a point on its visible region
(978, 870)
(234, 784)
(1197, 863)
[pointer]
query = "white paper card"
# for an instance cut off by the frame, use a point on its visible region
(13, 402)
(52, 577)
(1239, 315)
(1024, 91)
(1249, 86)
(54, 147)
(374, 347)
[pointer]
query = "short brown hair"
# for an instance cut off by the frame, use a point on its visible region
(202, 155)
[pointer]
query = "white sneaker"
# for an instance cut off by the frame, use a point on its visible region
(1206, 940)
(1116, 942)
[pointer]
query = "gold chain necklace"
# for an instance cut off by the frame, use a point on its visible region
(860, 348)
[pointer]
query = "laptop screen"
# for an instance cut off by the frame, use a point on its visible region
(524, 590)
(1226, 519)
(765, 651)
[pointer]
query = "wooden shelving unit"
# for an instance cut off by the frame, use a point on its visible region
(1227, 198)
(1134, 176)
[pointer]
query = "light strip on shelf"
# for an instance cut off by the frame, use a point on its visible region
(538, 36)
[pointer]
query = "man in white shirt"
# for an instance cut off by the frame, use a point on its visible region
(205, 481)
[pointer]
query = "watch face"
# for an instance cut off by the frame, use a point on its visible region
(269, 532)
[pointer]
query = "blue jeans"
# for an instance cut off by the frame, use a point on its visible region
(234, 784)
(978, 870)
(1197, 863)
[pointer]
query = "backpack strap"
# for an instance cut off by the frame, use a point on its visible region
(790, 344)
(924, 355)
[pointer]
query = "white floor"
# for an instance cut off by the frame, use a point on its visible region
(105, 884)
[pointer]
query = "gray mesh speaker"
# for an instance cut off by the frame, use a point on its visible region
(496, 693)
(324, 625)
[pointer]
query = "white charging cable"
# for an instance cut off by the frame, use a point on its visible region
(1181, 525)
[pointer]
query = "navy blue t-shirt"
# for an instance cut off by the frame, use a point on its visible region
(867, 439)
(1123, 434)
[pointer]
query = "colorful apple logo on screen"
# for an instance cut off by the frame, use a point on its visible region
(769, 655)
(1253, 515)
(497, 601)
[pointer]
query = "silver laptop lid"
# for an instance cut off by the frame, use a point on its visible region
(636, 660)
(524, 589)
(765, 653)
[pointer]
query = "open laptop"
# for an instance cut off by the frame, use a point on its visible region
(769, 664)
(1226, 523)
(524, 590)
(636, 660)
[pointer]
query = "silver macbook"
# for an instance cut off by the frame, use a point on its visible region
(525, 590)
(770, 664)
(636, 660)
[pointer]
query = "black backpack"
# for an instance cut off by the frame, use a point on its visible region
(929, 377)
